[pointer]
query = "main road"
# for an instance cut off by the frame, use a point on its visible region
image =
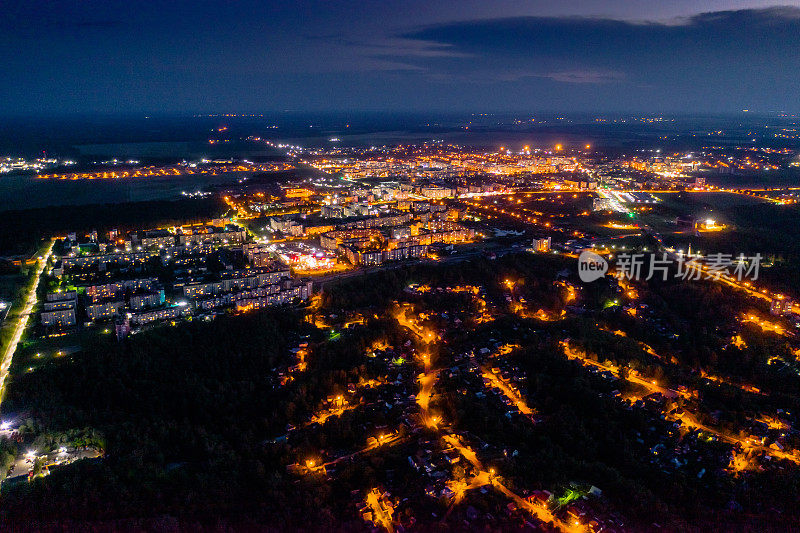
(22, 320)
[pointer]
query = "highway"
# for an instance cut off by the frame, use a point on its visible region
(22, 320)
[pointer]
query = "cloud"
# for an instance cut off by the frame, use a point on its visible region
(402, 47)
(585, 76)
(718, 46)
(766, 16)
(381, 53)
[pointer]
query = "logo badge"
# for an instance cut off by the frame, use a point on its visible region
(591, 266)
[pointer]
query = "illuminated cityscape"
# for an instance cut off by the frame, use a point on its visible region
(433, 267)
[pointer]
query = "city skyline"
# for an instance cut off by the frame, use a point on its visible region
(400, 266)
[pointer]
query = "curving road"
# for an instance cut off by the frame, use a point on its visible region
(22, 320)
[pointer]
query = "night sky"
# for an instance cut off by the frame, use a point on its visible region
(327, 55)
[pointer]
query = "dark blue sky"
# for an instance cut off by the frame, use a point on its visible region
(465, 55)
